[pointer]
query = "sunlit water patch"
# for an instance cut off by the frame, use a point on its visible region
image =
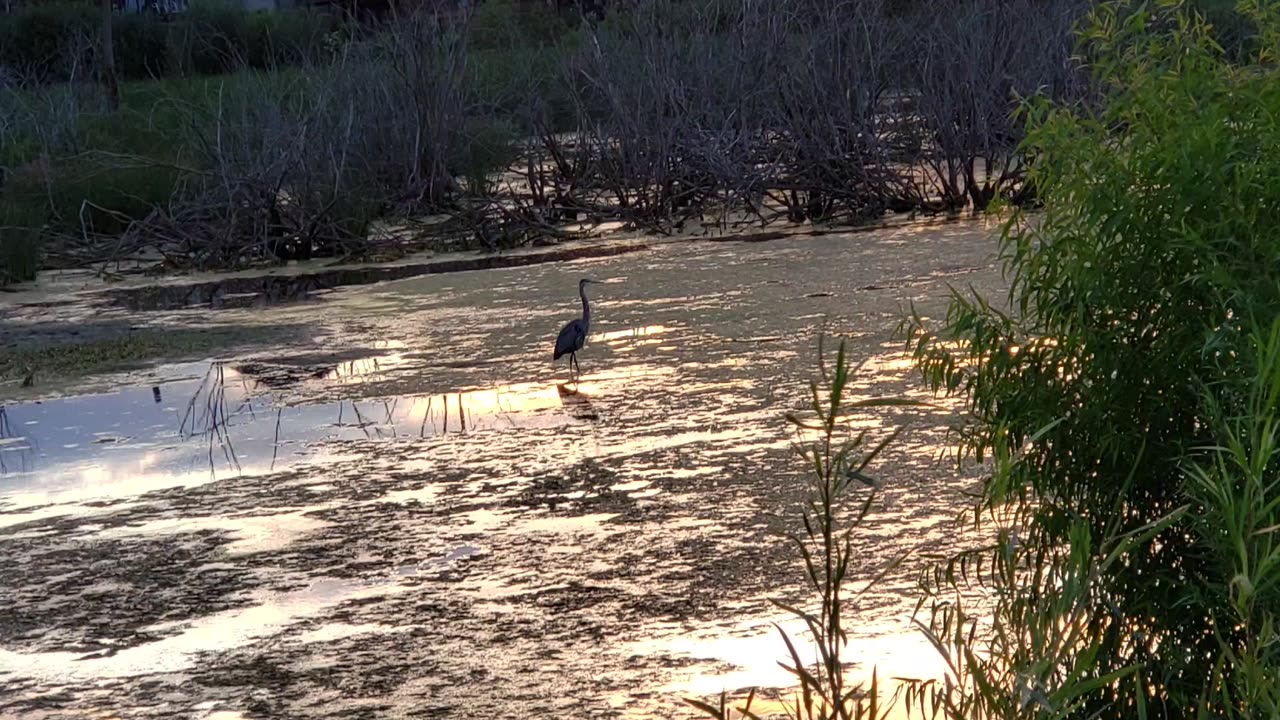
(229, 424)
(754, 655)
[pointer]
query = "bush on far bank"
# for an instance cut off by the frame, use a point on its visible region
(59, 42)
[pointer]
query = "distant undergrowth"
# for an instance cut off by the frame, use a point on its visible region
(509, 123)
(56, 42)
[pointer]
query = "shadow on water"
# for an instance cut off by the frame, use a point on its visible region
(576, 403)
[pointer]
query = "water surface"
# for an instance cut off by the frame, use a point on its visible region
(418, 513)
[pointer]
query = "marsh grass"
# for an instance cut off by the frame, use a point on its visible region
(840, 494)
(35, 363)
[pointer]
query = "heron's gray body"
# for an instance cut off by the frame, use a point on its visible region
(572, 338)
(574, 334)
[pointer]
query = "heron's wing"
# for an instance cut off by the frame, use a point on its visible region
(570, 339)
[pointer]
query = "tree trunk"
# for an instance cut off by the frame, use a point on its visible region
(109, 59)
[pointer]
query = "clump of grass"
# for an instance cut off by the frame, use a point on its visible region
(839, 497)
(34, 365)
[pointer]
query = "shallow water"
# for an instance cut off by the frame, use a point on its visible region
(418, 513)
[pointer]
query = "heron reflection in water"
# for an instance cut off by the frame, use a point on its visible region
(575, 403)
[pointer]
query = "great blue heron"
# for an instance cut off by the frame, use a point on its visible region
(574, 335)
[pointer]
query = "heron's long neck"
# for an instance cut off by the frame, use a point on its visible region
(586, 307)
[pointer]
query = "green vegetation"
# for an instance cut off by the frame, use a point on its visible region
(57, 42)
(270, 137)
(1125, 398)
(839, 497)
(1128, 399)
(77, 168)
(67, 166)
(41, 364)
(243, 88)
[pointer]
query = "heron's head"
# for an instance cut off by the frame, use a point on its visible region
(588, 281)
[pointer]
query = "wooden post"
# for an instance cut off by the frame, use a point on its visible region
(109, 59)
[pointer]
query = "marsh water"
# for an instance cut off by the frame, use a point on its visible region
(410, 511)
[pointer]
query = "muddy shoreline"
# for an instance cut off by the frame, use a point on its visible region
(263, 290)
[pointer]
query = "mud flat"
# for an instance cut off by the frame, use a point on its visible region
(401, 508)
